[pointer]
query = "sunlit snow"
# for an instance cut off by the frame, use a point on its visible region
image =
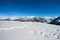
(15, 30)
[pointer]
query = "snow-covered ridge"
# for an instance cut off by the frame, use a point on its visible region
(52, 20)
(27, 18)
(15, 30)
(10, 25)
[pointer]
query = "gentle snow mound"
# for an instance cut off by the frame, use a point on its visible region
(15, 30)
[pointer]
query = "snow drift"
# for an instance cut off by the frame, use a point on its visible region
(15, 30)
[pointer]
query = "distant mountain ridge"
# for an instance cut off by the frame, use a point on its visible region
(50, 20)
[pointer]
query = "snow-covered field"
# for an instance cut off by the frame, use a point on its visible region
(15, 30)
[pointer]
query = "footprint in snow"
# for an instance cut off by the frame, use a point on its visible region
(34, 32)
(45, 35)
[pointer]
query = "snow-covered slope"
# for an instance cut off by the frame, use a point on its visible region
(15, 30)
(29, 19)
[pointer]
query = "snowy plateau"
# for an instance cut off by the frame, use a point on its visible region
(16, 30)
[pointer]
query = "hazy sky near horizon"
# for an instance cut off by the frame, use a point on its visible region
(29, 7)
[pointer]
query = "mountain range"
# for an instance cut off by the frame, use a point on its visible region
(50, 20)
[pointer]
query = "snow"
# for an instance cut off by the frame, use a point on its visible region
(15, 30)
(58, 20)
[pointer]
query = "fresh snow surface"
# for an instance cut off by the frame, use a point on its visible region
(15, 30)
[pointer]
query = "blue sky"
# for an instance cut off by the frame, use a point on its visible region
(30, 8)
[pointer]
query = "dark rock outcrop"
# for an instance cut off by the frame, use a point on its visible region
(56, 21)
